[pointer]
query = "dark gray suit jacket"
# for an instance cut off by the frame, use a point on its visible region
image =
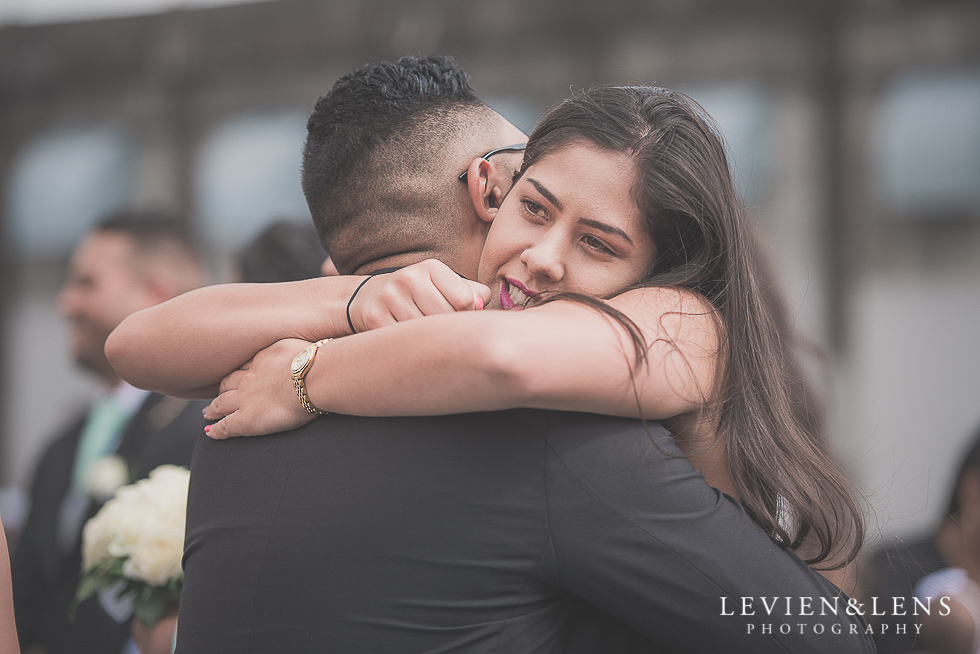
(495, 532)
(45, 574)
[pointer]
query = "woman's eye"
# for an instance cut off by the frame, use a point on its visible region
(533, 208)
(596, 244)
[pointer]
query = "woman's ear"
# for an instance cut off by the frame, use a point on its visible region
(485, 196)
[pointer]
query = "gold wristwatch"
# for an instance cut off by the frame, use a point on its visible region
(301, 365)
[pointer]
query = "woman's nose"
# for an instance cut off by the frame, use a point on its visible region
(545, 260)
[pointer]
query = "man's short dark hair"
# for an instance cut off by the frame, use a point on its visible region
(383, 111)
(149, 228)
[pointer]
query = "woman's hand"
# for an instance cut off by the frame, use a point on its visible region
(422, 289)
(260, 397)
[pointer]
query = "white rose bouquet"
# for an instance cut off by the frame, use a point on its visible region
(132, 547)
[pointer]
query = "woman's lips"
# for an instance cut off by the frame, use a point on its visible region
(514, 295)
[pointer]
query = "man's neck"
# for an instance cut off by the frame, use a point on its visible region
(398, 260)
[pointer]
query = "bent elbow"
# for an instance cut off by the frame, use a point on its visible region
(127, 353)
(122, 350)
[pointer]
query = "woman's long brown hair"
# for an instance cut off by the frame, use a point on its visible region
(786, 479)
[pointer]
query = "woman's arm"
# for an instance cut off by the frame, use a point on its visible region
(186, 345)
(563, 356)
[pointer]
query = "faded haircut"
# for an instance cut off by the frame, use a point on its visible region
(377, 148)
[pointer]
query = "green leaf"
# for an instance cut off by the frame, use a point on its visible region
(101, 575)
(149, 602)
(150, 608)
(88, 586)
(176, 585)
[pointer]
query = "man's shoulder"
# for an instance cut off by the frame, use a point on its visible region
(558, 423)
(513, 420)
(571, 423)
(589, 438)
(625, 463)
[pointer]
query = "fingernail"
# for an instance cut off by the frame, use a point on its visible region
(479, 303)
(204, 411)
(207, 429)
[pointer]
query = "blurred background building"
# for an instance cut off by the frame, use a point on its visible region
(854, 128)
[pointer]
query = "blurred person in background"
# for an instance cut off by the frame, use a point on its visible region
(943, 564)
(285, 251)
(129, 261)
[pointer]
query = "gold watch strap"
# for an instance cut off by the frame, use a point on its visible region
(304, 398)
(299, 381)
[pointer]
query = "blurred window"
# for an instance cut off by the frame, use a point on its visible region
(62, 182)
(248, 175)
(742, 110)
(927, 150)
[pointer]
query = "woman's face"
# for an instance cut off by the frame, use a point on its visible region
(568, 224)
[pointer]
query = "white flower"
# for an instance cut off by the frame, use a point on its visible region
(156, 560)
(144, 524)
(105, 476)
(130, 530)
(141, 527)
(96, 536)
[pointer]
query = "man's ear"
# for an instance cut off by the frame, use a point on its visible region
(484, 194)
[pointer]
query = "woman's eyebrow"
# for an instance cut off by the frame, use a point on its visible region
(609, 229)
(546, 193)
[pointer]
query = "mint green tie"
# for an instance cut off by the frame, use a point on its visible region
(99, 438)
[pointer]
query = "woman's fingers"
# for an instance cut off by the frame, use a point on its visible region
(260, 399)
(423, 289)
(459, 293)
(267, 420)
(224, 428)
(231, 381)
(224, 404)
(481, 294)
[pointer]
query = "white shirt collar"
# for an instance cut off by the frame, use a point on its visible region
(128, 397)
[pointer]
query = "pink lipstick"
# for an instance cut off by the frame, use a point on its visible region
(514, 295)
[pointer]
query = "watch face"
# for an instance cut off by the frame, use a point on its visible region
(300, 361)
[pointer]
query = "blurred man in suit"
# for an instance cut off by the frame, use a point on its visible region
(128, 262)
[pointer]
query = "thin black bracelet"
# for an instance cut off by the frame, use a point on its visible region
(350, 323)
